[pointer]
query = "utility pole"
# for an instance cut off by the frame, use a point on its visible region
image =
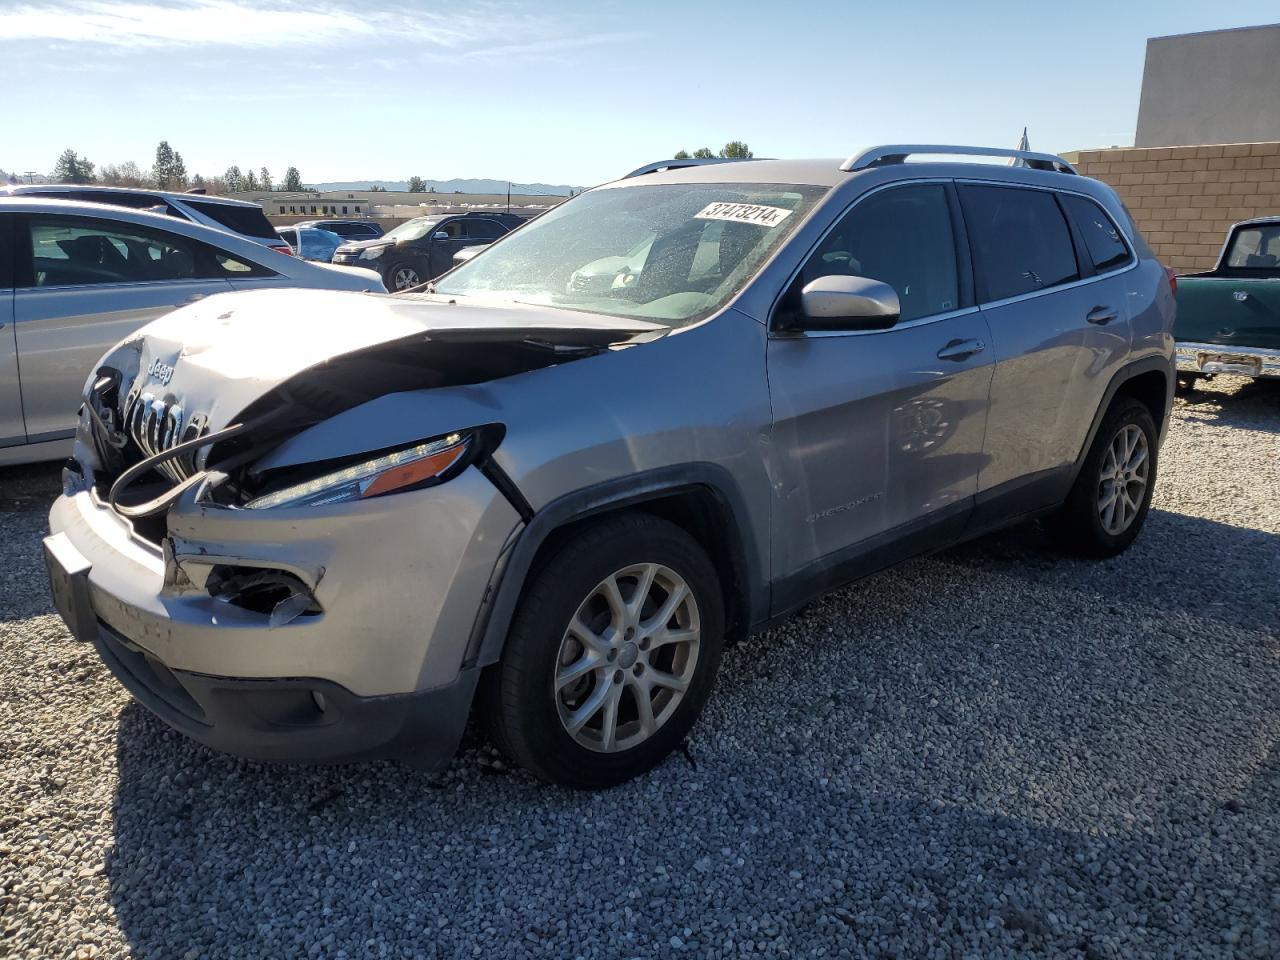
(508, 198)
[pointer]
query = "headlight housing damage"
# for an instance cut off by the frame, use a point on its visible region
(416, 466)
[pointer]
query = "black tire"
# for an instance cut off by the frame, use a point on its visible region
(1078, 526)
(1187, 382)
(394, 271)
(521, 705)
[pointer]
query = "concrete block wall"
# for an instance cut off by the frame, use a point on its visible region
(1185, 198)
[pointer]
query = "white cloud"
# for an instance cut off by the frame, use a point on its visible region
(198, 23)
(288, 23)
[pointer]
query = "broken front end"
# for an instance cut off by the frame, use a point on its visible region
(263, 547)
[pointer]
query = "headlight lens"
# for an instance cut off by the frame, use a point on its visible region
(372, 253)
(396, 471)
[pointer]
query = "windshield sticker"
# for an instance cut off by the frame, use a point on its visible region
(744, 213)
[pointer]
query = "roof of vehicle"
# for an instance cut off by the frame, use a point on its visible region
(232, 242)
(19, 189)
(835, 172)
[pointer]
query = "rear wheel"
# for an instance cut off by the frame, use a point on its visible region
(1109, 502)
(611, 655)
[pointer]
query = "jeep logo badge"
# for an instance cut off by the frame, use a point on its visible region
(161, 371)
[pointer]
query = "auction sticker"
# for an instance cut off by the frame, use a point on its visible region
(744, 213)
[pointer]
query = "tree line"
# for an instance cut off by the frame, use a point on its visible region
(733, 150)
(169, 172)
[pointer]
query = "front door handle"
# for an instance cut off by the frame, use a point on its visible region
(961, 349)
(1101, 315)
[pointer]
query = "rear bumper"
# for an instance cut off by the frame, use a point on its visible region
(1218, 358)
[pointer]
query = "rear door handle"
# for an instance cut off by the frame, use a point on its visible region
(1101, 315)
(961, 349)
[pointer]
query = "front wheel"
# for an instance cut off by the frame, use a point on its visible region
(1109, 502)
(402, 276)
(611, 655)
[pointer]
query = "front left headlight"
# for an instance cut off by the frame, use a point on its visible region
(372, 253)
(411, 467)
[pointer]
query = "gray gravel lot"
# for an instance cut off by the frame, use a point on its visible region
(993, 752)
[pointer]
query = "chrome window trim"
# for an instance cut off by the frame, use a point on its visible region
(835, 221)
(990, 304)
(904, 325)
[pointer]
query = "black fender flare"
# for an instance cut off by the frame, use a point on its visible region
(506, 583)
(1158, 363)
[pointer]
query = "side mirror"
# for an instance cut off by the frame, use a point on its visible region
(841, 302)
(441, 235)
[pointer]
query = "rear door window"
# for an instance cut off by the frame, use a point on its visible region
(247, 221)
(1102, 239)
(484, 229)
(1020, 240)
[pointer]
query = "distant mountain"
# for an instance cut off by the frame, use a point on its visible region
(455, 186)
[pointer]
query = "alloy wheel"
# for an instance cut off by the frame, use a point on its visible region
(405, 277)
(627, 658)
(1122, 480)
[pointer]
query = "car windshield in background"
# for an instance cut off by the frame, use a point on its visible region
(672, 253)
(1256, 248)
(414, 229)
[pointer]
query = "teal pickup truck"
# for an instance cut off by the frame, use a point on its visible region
(1229, 318)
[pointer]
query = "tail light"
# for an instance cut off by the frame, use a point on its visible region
(1173, 280)
(282, 248)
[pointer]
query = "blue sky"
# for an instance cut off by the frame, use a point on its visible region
(564, 92)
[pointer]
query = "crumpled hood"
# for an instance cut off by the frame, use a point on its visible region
(215, 357)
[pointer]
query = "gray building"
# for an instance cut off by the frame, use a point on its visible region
(1222, 86)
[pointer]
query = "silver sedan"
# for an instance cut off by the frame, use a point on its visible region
(75, 278)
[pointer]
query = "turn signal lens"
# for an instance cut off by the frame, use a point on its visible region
(406, 468)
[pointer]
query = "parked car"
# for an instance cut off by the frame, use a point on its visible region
(1229, 318)
(347, 229)
(558, 504)
(220, 213)
(76, 277)
(422, 248)
(311, 243)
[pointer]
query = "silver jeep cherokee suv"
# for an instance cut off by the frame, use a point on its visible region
(314, 525)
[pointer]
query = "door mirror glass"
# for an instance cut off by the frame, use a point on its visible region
(843, 302)
(441, 235)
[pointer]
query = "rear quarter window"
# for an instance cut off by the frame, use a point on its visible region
(1102, 238)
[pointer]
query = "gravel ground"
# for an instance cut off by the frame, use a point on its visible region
(994, 752)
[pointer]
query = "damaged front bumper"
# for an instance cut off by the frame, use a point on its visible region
(372, 667)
